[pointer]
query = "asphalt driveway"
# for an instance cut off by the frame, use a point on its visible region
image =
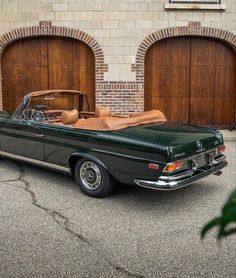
(48, 228)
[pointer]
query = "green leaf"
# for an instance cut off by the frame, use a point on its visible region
(227, 217)
(210, 225)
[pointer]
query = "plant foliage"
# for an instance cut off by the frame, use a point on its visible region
(226, 223)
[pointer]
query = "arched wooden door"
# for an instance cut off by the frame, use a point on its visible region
(46, 63)
(192, 80)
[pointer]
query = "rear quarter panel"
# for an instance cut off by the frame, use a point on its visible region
(125, 159)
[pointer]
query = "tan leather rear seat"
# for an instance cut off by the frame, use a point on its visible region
(69, 117)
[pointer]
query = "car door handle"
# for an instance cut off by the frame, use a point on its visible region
(39, 135)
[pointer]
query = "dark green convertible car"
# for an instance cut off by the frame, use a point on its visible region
(56, 129)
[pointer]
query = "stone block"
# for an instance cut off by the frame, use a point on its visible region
(144, 24)
(103, 15)
(160, 24)
(112, 59)
(13, 16)
(212, 16)
(79, 6)
(94, 24)
(127, 59)
(10, 7)
(2, 17)
(228, 17)
(60, 7)
(93, 6)
(46, 16)
(110, 6)
(188, 16)
(118, 15)
(30, 16)
(111, 41)
(4, 27)
(128, 41)
(126, 24)
(110, 24)
(83, 15)
(101, 33)
(63, 15)
(199, 16)
(29, 7)
(157, 7)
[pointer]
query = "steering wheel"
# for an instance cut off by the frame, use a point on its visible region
(39, 116)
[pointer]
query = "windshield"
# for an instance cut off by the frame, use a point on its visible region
(47, 107)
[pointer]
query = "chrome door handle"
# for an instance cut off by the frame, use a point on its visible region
(39, 135)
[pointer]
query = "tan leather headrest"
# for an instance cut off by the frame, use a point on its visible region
(102, 112)
(69, 117)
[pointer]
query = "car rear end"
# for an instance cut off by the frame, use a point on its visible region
(183, 172)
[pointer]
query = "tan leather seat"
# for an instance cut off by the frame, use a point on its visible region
(69, 117)
(102, 112)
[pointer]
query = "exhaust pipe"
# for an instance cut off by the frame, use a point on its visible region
(218, 173)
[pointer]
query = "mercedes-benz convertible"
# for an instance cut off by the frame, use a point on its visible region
(56, 129)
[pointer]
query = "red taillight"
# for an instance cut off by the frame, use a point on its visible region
(174, 166)
(221, 149)
(153, 166)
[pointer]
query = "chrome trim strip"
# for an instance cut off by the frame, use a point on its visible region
(158, 185)
(197, 154)
(35, 161)
(177, 177)
(129, 156)
(218, 160)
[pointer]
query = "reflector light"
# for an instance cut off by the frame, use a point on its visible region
(221, 149)
(179, 164)
(153, 166)
(174, 166)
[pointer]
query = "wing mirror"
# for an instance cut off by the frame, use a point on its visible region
(23, 121)
(4, 114)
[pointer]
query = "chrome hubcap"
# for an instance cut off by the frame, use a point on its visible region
(90, 175)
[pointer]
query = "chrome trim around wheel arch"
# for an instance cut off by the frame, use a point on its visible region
(36, 162)
(88, 156)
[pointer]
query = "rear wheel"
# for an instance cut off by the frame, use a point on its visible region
(93, 179)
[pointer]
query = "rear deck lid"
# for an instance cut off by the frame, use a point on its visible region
(180, 140)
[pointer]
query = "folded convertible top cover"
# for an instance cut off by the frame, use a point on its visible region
(116, 123)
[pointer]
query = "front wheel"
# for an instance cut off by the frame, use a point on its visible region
(93, 179)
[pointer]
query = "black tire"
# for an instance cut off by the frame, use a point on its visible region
(93, 179)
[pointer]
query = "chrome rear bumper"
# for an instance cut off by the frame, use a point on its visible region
(181, 180)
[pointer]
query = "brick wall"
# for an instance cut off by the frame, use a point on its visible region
(119, 27)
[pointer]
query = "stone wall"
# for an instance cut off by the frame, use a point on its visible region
(119, 27)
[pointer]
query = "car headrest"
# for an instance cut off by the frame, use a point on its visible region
(102, 112)
(69, 117)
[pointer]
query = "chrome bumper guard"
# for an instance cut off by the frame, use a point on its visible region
(183, 179)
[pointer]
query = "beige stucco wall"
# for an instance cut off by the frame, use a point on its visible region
(119, 26)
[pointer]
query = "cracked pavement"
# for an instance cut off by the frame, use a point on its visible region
(48, 228)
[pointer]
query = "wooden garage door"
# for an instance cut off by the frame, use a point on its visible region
(192, 80)
(46, 63)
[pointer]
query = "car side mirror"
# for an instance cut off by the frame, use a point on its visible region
(4, 114)
(23, 121)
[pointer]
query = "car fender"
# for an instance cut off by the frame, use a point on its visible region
(85, 155)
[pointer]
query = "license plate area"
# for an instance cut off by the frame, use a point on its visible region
(200, 161)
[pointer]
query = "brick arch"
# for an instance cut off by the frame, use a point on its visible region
(193, 29)
(46, 28)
